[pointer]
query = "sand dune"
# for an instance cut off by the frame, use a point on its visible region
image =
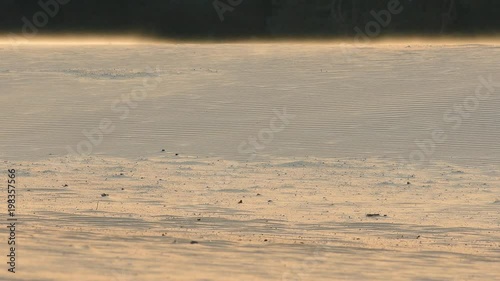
(310, 138)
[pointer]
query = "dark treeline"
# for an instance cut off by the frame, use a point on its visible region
(251, 18)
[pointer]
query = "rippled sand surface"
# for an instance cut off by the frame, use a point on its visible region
(253, 161)
(206, 100)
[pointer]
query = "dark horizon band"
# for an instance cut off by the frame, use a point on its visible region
(213, 19)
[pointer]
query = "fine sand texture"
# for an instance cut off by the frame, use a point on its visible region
(252, 161)
(212, 100)
(299, 219)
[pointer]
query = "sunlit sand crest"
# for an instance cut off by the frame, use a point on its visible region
(19, 39)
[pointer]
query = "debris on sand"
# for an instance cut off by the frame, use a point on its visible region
(241, 202)
(104, 195)
(374, 215)
(194, 242)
